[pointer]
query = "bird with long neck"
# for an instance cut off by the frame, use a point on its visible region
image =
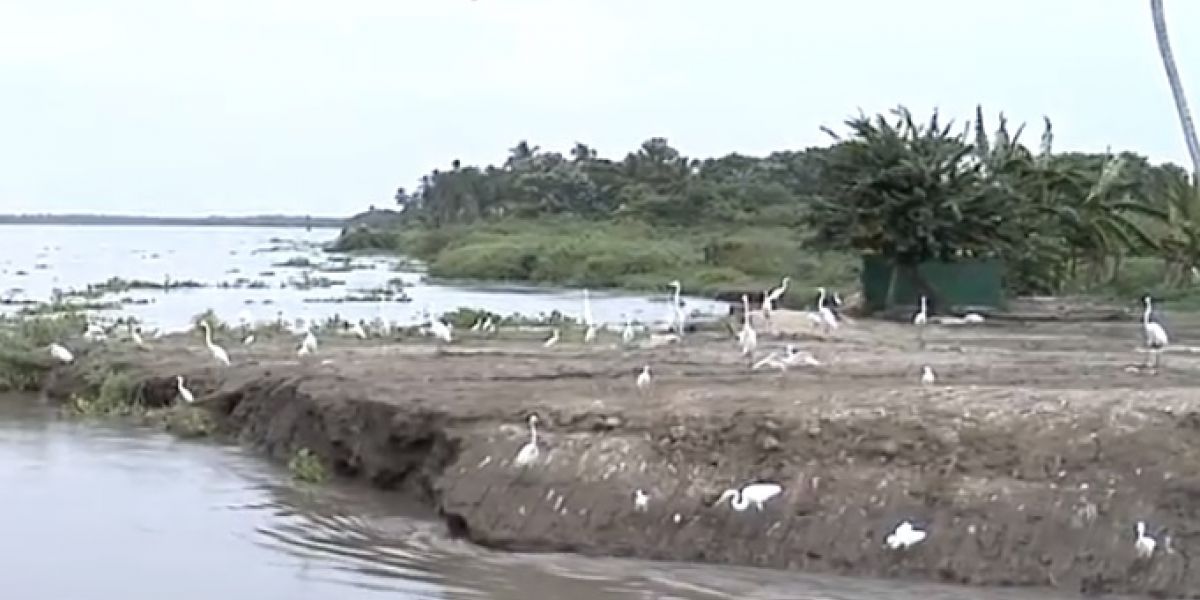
(218, 352)
(748, 338)
(1155, 335)
(828, 319)
(529, 452)
(677, 307)
(920, 319)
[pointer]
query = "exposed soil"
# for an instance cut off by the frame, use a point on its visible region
(1028, 462)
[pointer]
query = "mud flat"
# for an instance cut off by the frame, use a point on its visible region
(1028, 462)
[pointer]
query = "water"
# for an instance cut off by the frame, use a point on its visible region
(108, 512)
(37, 259)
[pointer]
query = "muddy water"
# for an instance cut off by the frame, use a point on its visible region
(255, 269)
(108, 512)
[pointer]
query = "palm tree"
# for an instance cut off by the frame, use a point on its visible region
(1168, 58)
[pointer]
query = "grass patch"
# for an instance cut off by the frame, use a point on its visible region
(115, 397)
(307, 467)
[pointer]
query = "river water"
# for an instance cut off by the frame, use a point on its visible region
(102, 511)
(243, 269)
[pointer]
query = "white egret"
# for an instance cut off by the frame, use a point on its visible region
(828, 319)
(357, 331)
(488, 326)
(136, 337)
(589, 335)
(184, 393)
(767, 308)
(677, 307)
(249, 339)
(61, 354)
(774, 295)
(627, 334)
(218, 352)
(771, 360)
(927, 376)
(904, 536)
(794, 356)
(748, 338)
(973, 318)
(477, 325)
(1144, 545)
(643, 378)
(1156, 336)
(922, 316)
(641, 501)
(440, 330)
(552, 340)
(95, 333)
(588, 319)
(309, 345)
(755, 493)
(529, 452)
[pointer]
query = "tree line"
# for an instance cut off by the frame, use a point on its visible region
(889, 184)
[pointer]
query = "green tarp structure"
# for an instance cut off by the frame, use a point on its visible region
(960, 286)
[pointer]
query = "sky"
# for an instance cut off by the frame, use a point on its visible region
(180, 107)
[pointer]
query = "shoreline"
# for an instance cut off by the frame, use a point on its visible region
(1027, 464)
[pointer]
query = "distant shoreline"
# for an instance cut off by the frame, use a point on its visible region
(213, 221)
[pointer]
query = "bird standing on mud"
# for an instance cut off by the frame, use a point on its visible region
(309, 345)
(552, 340)
(627, 334)
(218, 352)
(643, 379)
(529, 452)
(61, 354)
(641, 501)
(589, 321)
(927, 376)
(828, 320)
(755, 493)
(184, 393)
(440, 330)
(1144, 545)
(747, 337)
(1155, 334)
(677, 315)
(904, 536)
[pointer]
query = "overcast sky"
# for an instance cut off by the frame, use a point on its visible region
(172, 107)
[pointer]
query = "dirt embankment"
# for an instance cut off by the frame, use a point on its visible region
(1028, 462)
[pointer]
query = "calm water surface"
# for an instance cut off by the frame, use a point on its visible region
(95, 511)
(37, 259)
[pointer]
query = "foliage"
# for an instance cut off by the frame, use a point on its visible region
(114, 397)
(891, 185)
(307, 467)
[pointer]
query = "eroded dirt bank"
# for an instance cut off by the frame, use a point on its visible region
(1028, 462)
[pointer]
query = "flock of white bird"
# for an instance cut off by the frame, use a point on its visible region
(756, 494)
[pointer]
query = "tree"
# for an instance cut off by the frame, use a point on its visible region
(1181, 106)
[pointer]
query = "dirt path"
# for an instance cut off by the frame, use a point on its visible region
(1028, 463)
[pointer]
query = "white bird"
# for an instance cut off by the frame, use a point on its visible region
(246, 341)
(927, 376)
(136, 337)
(552, 340)
(488, 326)
(643, 378)
(218, 352)
(1156, 336)
(589, 335)
(973, 318)
(357, 331)
(440, 330)
(529, 452)
(747, 338)
(771, 360)
(478, 325)
(794, 356)
(677, 307)
(627, 334)
(309, 345)
(774, 295)
(95, 333)
(61, 354)
(756, 493)
(640, 500)
(588, 319)
(828, 319)
(904, 536)
(184, 393)
(922, 315)
(1144, 545)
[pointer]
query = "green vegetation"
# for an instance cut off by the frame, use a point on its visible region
(24, 357)
(114, 396)
(893, 186)
(307, 467)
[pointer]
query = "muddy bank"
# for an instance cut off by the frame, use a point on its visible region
(1028, 462)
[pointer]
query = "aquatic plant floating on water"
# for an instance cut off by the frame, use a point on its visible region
(755, 493)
